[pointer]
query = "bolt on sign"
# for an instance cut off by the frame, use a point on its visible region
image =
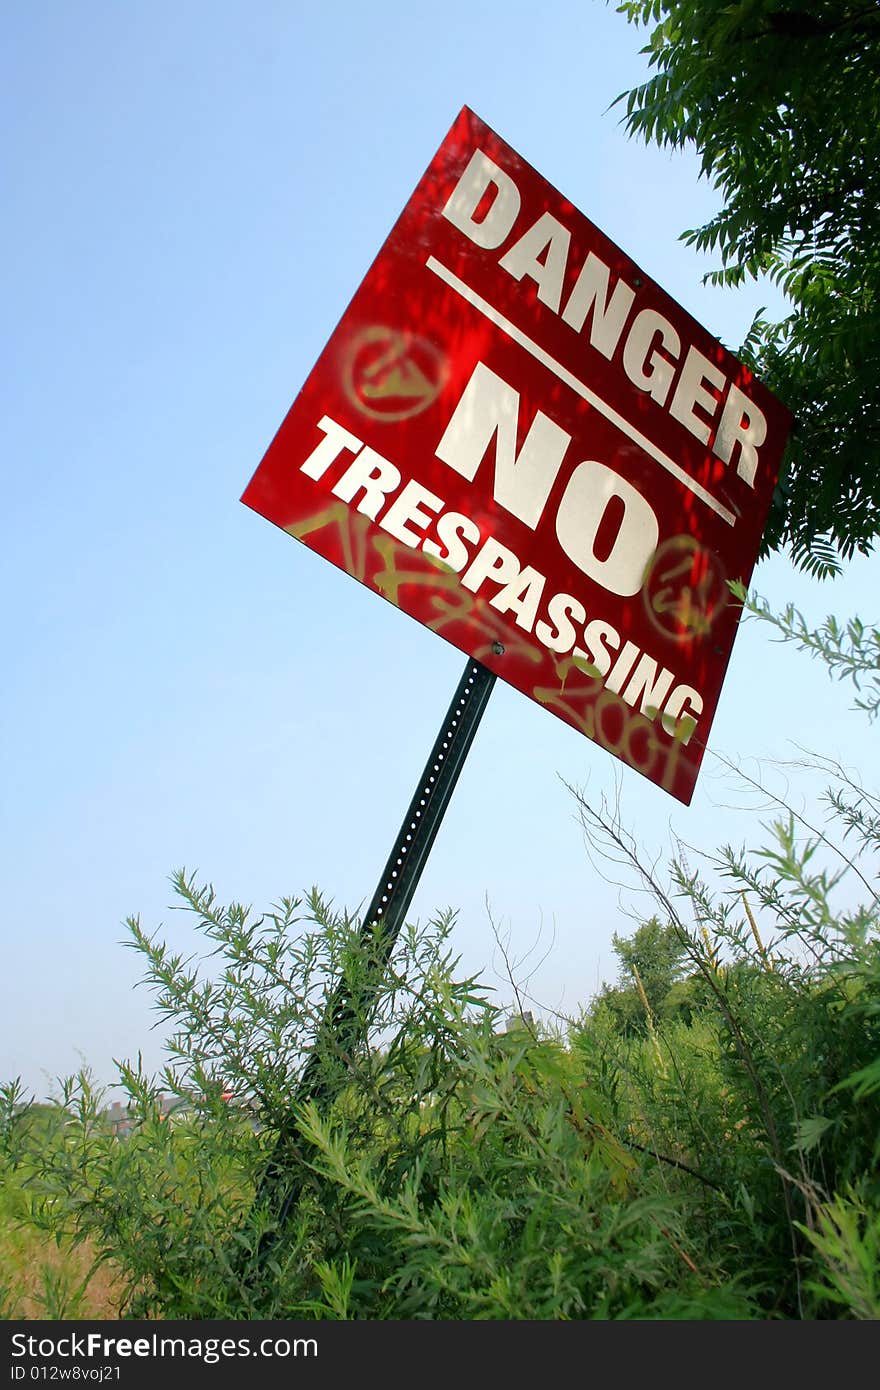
(515, 436)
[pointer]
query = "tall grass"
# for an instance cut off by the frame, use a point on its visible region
(701, 1141)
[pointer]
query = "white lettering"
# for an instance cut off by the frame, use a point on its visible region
(691, 392)
(547, 238)
(484, 206)
(492, 561)
(590, 292)
(647, 326)
(481, 174)
(622, 667)
(490, 408)
(652, 688)
(521, 597)
(452, 528)
(560, 610)
(744, 424)
(587, 496)
(680, 715)
(331, 446)
(408, 508)
(596, 503)
(598, 637)
(372, 473)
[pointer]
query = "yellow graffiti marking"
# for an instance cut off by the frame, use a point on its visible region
(391, 375)
(390, 579)
(684, 610)
(551, 698)
(450, 602)
(586, 707)
(690, 606)
(351, 529)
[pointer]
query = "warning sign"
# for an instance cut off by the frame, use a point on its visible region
(516, 437)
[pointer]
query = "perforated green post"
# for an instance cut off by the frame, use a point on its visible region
(383, 919)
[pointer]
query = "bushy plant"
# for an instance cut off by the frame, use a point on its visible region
(461, 1171)
(701, 1142)
(768, 1084)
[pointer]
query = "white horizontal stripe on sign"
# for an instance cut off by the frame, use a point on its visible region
(495, 316)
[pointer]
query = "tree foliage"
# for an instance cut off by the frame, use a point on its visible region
(782, 102)
(654, 982)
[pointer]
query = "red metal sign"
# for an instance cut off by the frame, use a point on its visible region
(518, 438)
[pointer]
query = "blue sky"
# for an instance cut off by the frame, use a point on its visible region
(191, 196)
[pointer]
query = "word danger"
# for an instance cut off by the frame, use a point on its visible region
(485, 206)
(408, 511)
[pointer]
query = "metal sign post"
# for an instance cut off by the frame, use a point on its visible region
(385, 915)
(519, 439)
(345, 1014)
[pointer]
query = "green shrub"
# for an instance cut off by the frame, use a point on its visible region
(701, 1142)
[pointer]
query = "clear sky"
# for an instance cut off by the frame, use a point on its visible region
(191, 195)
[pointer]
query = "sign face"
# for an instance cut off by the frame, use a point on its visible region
(515, 436)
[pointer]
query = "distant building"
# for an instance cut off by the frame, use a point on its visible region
(119, 1120)
(172, 1107)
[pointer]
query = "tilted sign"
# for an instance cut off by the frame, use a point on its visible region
(519, 439)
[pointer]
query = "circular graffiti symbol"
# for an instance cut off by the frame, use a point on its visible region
(391, 375)
(685, 589)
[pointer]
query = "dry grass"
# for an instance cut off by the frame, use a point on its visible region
(40, 1279)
